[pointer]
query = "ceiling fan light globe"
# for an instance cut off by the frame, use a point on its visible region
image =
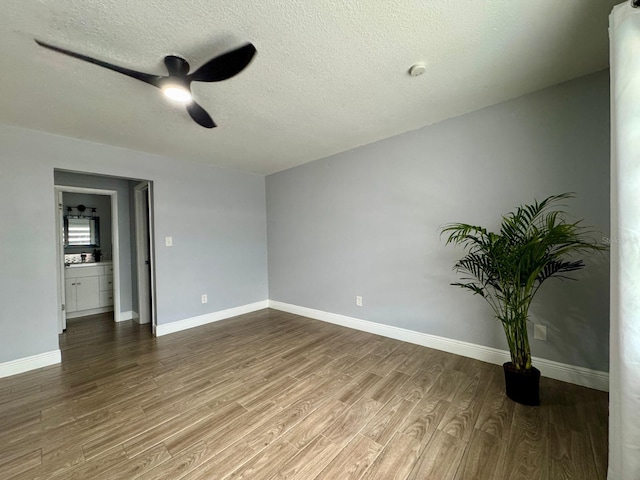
(177, 93)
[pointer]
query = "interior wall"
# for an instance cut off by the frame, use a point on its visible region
(28, 296)
(367, 222)
(215, 216)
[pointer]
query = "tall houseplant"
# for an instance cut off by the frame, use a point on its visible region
(534, 243)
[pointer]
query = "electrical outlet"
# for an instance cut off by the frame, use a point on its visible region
(540, 332)
(168, 241)
(204, 298)
(358, 301)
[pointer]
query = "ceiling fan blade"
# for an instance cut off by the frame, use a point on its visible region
(154, 80)
(224, 66)
(176, 66)
(200, 115)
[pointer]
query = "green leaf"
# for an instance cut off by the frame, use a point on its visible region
(535, 242)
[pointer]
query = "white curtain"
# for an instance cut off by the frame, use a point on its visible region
(624, 400)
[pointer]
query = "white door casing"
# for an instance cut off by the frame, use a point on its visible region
(59, 190)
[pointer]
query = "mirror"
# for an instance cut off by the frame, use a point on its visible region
(81, 231)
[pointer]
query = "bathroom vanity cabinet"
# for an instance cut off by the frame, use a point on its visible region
(88, 289)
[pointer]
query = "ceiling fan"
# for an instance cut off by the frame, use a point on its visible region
(177, 85)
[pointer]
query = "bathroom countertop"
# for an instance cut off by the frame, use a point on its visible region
(86, 264)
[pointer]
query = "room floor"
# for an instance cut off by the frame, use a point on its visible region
(271, 395)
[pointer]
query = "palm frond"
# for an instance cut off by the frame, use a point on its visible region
(471, 286)
(507, 268)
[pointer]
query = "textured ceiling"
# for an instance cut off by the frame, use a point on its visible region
(329, 74)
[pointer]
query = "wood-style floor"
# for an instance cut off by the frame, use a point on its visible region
(271, 395)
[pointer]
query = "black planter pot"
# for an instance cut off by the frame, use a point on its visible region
(523, 386)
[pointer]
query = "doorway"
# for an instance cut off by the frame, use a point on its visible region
(85, 292)
(132, 220)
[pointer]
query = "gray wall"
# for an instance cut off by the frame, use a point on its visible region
(216, 217)
(127, 275)
(102, 204)
(366, 222)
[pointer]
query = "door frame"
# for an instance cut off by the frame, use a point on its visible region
(115, 248)
(145, 188)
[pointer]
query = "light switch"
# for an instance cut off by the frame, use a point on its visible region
(168, 241)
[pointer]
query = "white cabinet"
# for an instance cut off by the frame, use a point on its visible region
(81, 293)
(88, 289)
(106, 282)
(70, 294)
(106, 290)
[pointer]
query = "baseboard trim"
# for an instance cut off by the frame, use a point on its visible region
(560, 371)
(136, 318)
(173, 327)
(128, 315)
(32, 362)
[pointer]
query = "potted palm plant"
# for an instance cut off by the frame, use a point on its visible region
(507, 268)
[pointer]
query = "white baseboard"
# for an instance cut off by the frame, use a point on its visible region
(167, 328)
(128, 315)
(33, 362)
(559, 371)
(136, 318)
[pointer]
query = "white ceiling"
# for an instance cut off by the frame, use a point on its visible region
(329, 75)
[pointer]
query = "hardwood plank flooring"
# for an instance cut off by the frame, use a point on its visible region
(275, 396)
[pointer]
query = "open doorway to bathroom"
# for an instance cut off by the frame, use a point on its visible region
(105, 248)
(87, 228)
